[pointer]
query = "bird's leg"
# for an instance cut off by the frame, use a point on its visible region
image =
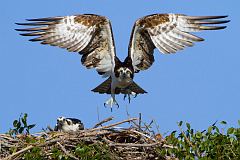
(112, 101)
(125, 96)
(129, 96)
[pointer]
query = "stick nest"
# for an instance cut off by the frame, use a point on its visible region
(137, 141)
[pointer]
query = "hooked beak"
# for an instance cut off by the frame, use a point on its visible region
(124, 75)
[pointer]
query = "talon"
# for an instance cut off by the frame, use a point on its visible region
(110, 102)
(129, 94)
(129, 98)
(117, 105)
(135, 95)
(124, 97)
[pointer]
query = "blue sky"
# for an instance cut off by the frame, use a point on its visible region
(198, 85)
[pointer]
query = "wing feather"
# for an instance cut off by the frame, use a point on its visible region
(89, 35)
(168, 33)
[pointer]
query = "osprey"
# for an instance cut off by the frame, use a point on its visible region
(68, 124)
(91, 36)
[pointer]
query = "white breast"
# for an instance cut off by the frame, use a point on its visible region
(69, 128)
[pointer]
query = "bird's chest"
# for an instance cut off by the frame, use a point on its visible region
(73, 127)
(123, 82)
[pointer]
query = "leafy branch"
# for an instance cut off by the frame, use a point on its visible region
(21, 125)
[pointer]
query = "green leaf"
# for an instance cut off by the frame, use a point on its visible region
(191, 131)
(24, 122)
(25, 115)
(21, 130)
(187, 133)
(210, 129)
(239, 122)
(80, 150)
(15, 123)
(31, 126)
(18, 125)
(60, 156)
(230, 130)
(223, 122)
(24, 119)
(198, 135)
(27, 131)
(180, 123)
(188, 126)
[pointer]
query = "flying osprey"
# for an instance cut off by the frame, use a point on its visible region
(91, 36)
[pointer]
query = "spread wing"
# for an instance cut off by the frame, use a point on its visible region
(89, 35)
(168, 33)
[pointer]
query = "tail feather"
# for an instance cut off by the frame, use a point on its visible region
(134, 87)
(105, 87)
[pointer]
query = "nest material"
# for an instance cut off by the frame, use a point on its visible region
(135, 142)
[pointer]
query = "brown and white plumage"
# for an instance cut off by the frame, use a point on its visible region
(168, 33)
(91, 36)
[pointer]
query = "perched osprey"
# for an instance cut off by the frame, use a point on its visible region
(91, 36)
(68, 124)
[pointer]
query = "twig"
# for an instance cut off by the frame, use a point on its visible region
(148, 126)
(98, 115)
(28, 148)
(157, 126)
(136, 152)
(134, 144)
(41, 133)
(188, 141)
(139, 122)
(18, 152)
(48, 142)
(6, 145)
(3, 136)
(115, 124)
(50, 128)
(66, 152)
(168, 146)
(103, 121)
(93, 133)
(144, 135)
(140, 145)
(185, 137)
(128, 115)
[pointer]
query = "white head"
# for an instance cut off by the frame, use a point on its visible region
(68, 124)
(124, 73)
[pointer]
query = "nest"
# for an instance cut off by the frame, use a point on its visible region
(135, 142)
